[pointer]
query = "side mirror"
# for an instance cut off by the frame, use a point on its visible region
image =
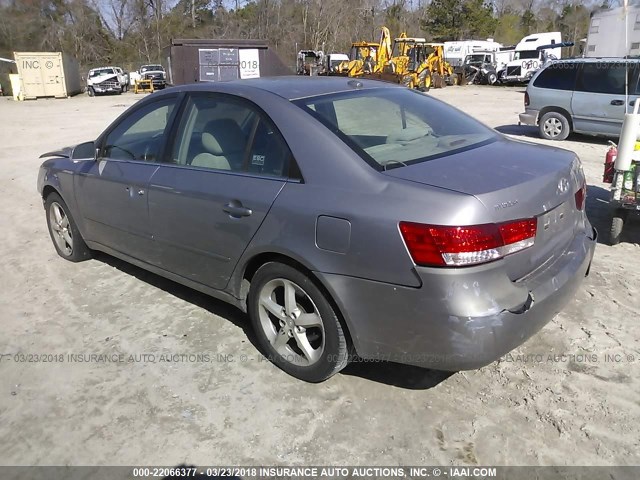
(84, 151)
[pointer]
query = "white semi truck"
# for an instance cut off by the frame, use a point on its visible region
(531, 53)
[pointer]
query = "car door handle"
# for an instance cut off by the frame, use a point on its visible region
(235, 209)
(617, 102)
(139, 192)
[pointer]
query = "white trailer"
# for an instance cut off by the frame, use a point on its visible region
(606, 36)
(456, 52)
(529, 57)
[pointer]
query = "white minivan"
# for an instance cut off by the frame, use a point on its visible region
(582, 95)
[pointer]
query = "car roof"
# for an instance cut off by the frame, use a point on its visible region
(298, 86)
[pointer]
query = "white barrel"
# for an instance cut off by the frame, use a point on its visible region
(628, 138)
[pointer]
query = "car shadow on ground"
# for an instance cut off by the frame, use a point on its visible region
(202, 300)
(398, 375)
(599, 211)
(530, 131)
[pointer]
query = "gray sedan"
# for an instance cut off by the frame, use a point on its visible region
(345, 217)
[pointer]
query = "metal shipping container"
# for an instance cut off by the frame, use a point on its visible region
(47, 74)
(204, 60)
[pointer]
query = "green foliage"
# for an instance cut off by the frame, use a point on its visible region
(458, 19)
(509, 28)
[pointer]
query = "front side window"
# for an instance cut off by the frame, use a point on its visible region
(391, 127)
(603, 77)
(222, 133)
(140, 136)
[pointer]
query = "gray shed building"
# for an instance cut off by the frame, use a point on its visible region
(205, 60)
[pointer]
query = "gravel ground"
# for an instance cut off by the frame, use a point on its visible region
(569, 396)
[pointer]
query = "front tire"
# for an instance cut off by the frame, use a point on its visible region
(295, 325)
(63, 230)
(554, 126)
(424, 80)
(91, 92)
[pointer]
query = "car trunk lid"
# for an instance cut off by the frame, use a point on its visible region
(513, 180)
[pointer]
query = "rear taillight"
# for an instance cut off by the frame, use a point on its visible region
(440, 245)
(526, 99)
(580, 196)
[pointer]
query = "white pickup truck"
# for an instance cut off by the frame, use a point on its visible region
(107, 80)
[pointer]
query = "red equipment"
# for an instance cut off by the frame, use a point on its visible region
(609, 160)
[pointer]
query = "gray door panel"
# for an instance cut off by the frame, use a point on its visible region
(598, 103)
(113, 202)
(202, 220)
(594, 112)
(112, 191)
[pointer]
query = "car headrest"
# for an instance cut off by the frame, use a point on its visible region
(222, 137)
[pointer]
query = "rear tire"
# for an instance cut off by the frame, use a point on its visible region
(617, 225)
(492, 78)
(554, 126)
(63, 230)
(295, 325)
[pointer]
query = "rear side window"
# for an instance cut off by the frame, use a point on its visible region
(600, 77)
(219, 132)
(558, 76)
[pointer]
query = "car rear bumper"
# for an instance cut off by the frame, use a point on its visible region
(529, 117)
(460, 319)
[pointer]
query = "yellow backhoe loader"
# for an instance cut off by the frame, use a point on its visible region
(367, 58)
(411, 62)
(441, 71)
(416, 63)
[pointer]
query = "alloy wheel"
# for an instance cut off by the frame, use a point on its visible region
(291, 322)
(61, 228)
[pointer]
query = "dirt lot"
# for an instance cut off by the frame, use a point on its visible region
(578, 407)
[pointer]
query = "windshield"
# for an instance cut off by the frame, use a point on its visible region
(151, 68)
(393, 127)
(474, 59)
(522, 54)
(101, 71)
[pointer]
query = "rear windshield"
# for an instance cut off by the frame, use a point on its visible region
(394, 127)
